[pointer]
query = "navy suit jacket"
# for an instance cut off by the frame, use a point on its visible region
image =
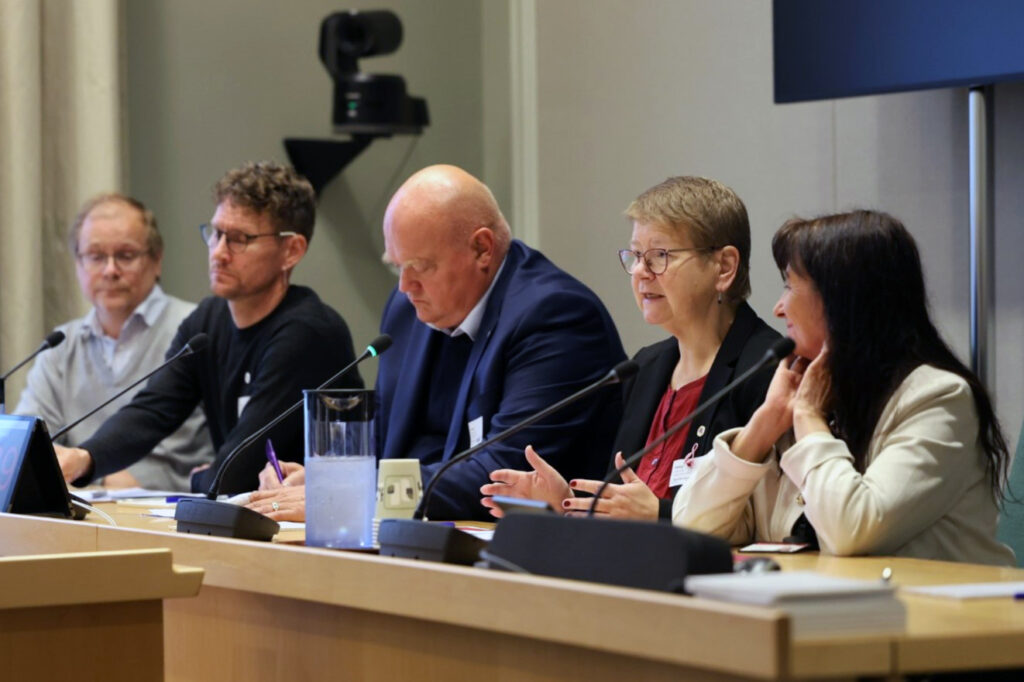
(544, 335)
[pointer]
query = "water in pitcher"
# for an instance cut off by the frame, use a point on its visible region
(339, 510)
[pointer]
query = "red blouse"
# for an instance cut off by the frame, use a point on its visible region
(656, 467)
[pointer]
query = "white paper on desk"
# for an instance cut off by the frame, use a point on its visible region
(145, 502)
(968, 590)
(485, 534)
(784, 586)
(126, 493)
(91, 495)
(169, 514)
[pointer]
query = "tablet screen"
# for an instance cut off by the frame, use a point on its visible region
(14, 437)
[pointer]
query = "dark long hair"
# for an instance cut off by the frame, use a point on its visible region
(867, 270)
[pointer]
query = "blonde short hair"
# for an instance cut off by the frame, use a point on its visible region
(707, 212)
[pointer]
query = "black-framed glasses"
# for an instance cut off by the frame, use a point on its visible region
(236, 239)
(96, 261)
(656, 260)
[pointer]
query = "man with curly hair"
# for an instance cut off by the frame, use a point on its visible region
(268, 339)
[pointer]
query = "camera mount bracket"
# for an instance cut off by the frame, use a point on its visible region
(365, 106)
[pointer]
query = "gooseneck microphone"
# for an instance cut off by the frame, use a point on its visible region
(210, 517)
(779, 350)
(376, 347)
(617, 374)
(196, 344)
(54, 338)
(414, 539)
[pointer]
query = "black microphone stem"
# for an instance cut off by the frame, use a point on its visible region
(379, 345)
(214, 489)
(24, 362)
(621, 371)
(52, 340)
(185, 351)
(773, 355)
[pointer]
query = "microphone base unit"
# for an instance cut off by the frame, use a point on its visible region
(652, 556)
(428, 541)
(223, 519)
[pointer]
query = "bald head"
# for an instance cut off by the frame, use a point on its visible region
(444, 231)
(452, 201)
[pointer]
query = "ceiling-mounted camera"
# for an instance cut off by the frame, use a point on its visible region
(365, 105)
(365, 102)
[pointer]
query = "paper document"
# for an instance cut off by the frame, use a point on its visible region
(169, 514)
(91, 495)
(818, 605)
(968, 590)
(126, 493)
(774, 588)
(485, 534)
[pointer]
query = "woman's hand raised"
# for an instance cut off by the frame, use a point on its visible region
(631, 499)
(543, 483)
(810, 403)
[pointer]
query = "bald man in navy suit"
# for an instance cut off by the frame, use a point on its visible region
(487, 332)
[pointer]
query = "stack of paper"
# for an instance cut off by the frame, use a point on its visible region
(817, 604)
(1013, 590)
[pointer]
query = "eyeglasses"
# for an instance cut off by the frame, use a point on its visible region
(656, 260)
(417, 267)
(236, 239)
(96, 261)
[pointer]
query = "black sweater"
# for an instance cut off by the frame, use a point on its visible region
(262, 368)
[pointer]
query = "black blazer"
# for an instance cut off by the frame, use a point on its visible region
(744, 345)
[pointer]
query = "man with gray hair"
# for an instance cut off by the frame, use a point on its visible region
(118, 255)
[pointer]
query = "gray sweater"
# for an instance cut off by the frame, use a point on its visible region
(67, 381)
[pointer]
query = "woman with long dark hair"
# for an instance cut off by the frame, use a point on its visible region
(873, 430)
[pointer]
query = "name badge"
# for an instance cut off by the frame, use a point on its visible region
(243, 400)
(683, 469)
(476, 431)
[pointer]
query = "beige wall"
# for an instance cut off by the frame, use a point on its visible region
(628, 92)
(631, 92)
(213, 84)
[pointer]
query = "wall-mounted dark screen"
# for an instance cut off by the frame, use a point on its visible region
(842, 48)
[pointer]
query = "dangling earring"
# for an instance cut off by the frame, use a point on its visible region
(719, 298)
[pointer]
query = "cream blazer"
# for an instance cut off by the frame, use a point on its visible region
(924, 493)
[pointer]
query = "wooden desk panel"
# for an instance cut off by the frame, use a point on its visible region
(261, 637)
(595, 618)
(70, 642)
(85, 615)
(268, 608)
(942, 634)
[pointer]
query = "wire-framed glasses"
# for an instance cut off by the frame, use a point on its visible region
(237, 240)
(656, 260)
(96, 261)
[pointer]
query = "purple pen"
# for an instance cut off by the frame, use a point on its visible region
(272, 458)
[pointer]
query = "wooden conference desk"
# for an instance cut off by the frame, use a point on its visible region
(87, 615)
(276, 611)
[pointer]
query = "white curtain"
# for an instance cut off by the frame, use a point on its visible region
(61, 140)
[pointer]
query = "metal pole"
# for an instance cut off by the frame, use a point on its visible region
(980, 119)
